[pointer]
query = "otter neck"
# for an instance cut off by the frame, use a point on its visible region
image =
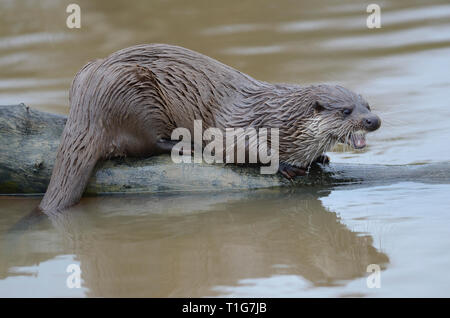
(267, 105)
(301, 140)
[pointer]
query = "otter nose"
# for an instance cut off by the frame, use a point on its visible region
(372, 122)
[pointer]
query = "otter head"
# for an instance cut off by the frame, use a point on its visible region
(342, 115)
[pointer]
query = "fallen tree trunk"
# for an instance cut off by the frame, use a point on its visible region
(29, 141)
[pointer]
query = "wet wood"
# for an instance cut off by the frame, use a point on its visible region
(29, 141)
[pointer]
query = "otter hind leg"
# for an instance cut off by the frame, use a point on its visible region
(165, 146)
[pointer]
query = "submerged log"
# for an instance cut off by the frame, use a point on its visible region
(29, 140)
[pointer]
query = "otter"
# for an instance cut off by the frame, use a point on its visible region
(128, 103)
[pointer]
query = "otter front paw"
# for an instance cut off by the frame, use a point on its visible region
(323, 159)
(289, 171)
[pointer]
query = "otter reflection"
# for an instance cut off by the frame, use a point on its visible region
(185, 245)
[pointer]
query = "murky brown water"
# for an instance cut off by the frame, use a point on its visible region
(278, 243)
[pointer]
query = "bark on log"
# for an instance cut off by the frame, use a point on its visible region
(29, 141)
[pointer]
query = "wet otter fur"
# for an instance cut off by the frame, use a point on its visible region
(128, 104)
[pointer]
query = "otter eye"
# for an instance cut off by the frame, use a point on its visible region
(347, 111)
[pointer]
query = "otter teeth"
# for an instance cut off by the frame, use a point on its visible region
(358, 141)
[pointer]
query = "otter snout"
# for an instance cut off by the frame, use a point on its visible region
(371, 122)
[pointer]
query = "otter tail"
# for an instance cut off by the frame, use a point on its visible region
(75, 161)
(111, 104)
(79, 148)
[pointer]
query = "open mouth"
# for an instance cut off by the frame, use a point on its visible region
(357, 140)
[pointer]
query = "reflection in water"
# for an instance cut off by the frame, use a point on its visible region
(187, 245)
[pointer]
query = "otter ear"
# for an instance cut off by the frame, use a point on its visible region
(318, 107)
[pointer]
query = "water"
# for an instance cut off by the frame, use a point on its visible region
(281, 243)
